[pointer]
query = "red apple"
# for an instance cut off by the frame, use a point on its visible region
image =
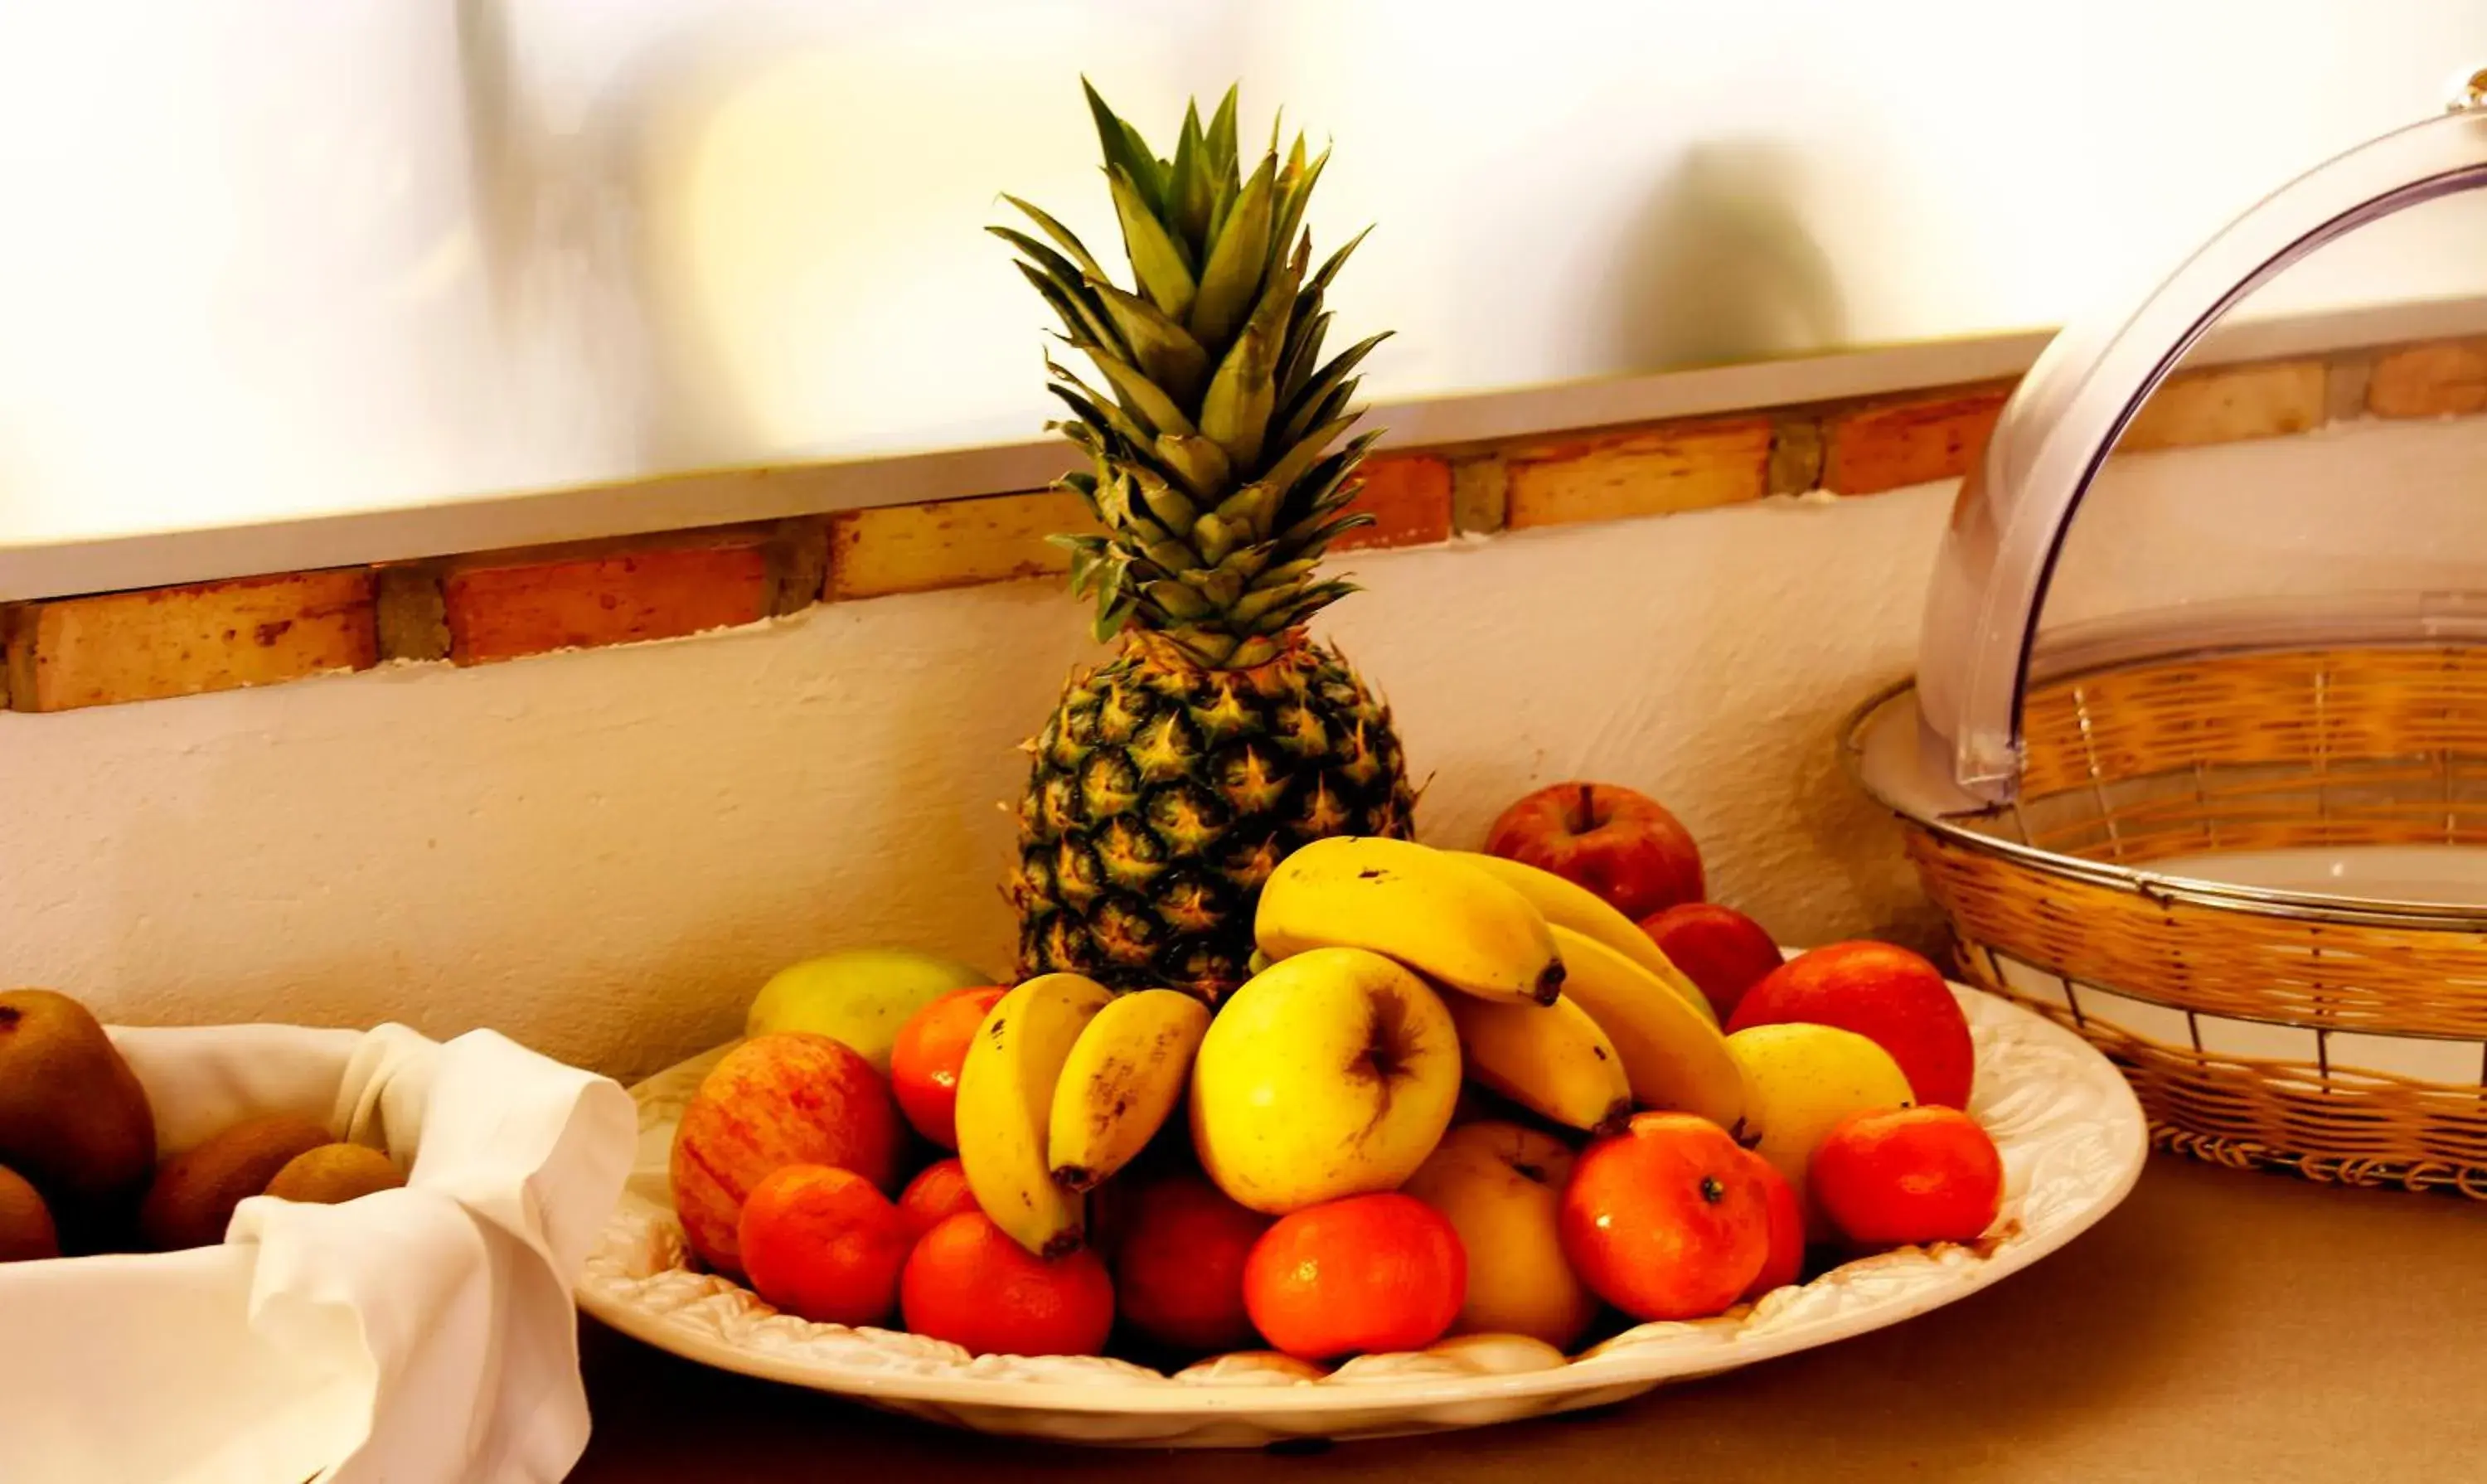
(1883, 993)
(1786, 1263)
(1623, 846)
(1718, 947)
(787, 1098)
(1179, 1269)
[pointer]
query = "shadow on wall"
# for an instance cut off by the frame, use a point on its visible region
(1719, 266)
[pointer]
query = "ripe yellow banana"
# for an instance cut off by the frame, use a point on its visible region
(1571, 905)
(1125, 1075)
(1457, 926)
(1675, 1059)
(1005, 1108)
(1552, 1060)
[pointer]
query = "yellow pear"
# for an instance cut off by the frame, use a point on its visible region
(1500, 1186)
(1802, 1078)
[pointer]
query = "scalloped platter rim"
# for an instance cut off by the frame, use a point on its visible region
(2072, 1136)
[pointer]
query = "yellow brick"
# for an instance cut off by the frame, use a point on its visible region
(1649, 471)
(170, 641)
(915, 548)
(2231, 403)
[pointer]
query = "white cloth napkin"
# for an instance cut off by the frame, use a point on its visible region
(423, 1335)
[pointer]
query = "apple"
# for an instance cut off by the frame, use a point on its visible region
(1666, 1219)
(789, 1098)
(860, 996)
(1801, 1080)
(1501, 1187)
(1179, 1265)
(1883, 993)
(1719, 949)
(1786, 1262)
(1329, 1074)
(1623, 846)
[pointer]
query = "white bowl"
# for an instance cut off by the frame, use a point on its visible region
(2071, 1133)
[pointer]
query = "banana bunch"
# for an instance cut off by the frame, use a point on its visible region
(1062, 1086)
(1565, 1006)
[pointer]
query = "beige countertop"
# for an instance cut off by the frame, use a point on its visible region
(2218, 1326)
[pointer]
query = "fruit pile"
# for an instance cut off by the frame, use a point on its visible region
(78, 1173)
(1458, 1093)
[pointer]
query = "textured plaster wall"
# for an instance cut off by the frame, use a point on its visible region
(605, 852)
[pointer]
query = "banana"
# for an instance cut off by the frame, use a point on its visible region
(1005, 1108)
(1457, 926)
(1125, 1076)
(1571, 905)
(1551, 1060)
(1675, 1058)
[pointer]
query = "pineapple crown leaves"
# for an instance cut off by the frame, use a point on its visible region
(1210, 424)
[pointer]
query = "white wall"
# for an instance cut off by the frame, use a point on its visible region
(605, 852)
(273, 257)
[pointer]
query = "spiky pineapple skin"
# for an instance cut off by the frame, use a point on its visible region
(1162, 794)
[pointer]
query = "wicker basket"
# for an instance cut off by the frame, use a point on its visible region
(2341, 1038)
(2243, 851)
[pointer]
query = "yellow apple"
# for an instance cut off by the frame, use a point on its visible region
(1328, 1074)
(1802, 1078)
(858, 995)
(1500, 1186)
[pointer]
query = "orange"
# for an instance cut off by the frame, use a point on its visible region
(1179, 1266)
(939, 1192)
(825, 1244)
(1786, 1223)
(1366, 1273)
(924, 1060)
(968, 1282)
(1908, 1175)
(1666, 1219)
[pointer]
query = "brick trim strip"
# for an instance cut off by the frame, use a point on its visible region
(485, 608)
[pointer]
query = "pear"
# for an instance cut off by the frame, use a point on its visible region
(73, 1119)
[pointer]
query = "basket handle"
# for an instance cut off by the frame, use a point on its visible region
(2055, 431)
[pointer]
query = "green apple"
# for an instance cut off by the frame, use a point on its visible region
(860, 996)
(1802, 1078)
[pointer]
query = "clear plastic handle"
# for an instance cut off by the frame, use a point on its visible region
(2059, 425)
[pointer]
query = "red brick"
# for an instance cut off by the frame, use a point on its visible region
(168, 641)
(1894, 444)
(1409, 495)
(504, 606)
(2448, 378)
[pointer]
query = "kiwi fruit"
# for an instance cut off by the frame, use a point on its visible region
(73, 1119)
(26, 1231)
(334, 1174)
(194, 1195)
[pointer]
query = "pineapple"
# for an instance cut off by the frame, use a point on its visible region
(1171, 779)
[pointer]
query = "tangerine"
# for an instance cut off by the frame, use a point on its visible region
(1908, 1175)
(1367, 1273)
(968, 1282)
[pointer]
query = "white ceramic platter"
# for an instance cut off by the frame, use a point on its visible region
(2072, 1141)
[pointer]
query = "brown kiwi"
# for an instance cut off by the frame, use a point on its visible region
(334, 1174)
(194, 1195)
(73, 1119)
(26, 1230)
